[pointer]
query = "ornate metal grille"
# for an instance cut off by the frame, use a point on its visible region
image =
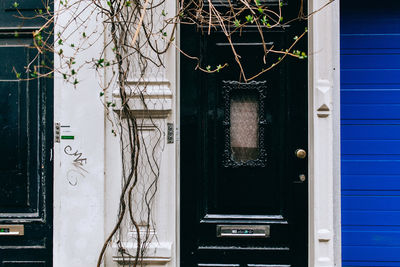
(244, 124)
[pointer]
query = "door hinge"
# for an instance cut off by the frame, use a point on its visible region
(170, 133)
(57, 132)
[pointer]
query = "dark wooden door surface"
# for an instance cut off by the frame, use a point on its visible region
(239, 172)
(26, 119)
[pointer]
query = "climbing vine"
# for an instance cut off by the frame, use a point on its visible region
(135, 36)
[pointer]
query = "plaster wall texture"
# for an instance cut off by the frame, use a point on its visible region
(78, 188)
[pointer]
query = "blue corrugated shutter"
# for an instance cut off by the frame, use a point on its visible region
(370, 132)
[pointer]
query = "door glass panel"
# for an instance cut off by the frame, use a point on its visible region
(244, 127)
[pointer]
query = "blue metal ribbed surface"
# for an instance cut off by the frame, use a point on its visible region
(370, 132)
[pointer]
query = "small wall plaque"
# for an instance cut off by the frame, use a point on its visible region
(170, 133)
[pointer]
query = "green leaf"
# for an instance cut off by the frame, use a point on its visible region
(18, 75)
(84, 34)
(208, 68)
(101, 93)
(163, 13)
(264, 20)
(15, 5)
(295, 38)
(38, 36)
(280, 19)
(34, 74)
(261, 10)
(257, 2)
(280, 4)
(60, 42)
(250, 18)
(237, 23)
(128, 3)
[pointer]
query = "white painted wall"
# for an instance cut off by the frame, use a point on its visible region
(160, 96)
(78, 190)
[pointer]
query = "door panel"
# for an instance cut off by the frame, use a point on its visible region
(239, 170)
(11, 13)
(25, 168)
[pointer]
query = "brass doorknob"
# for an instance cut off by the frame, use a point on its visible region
(300, 153)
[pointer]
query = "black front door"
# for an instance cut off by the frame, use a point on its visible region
(244, 192)
(26, 116)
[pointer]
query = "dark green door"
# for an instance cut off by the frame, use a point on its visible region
(26, 118)
(244, 192)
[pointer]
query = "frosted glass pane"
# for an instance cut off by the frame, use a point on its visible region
(244, 127)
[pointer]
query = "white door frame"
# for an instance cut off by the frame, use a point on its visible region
(324, 134)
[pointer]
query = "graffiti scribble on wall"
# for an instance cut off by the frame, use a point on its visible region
(73, 175)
